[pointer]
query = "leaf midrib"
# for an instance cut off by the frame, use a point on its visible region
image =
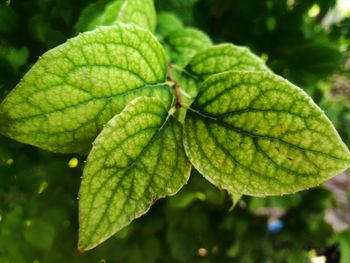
(127, 169)
(258, 136)
(92, 99)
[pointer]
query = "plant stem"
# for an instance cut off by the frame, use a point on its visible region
(176, 87)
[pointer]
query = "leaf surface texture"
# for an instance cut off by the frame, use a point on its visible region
(137, 159)
(256, 133)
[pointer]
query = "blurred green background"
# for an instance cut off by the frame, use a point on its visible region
(306, 41)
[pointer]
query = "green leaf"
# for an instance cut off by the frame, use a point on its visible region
(235, 199)
(225, 57)
(167, 23)
(40, 234)
(255, 133)
(185, 43)
(9, 19)
(343, 239)
(73, 90)
(88, 14)
(137, 159)
(183, 8)
(138, 12)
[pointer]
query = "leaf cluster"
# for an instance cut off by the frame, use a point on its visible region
(219, 106)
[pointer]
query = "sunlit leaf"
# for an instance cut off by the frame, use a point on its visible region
(255, 133)
(225, 57)
(73, 90)
(137, 159)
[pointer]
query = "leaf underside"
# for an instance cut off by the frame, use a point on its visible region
(255, 133)
(137, 159)
(63, 102)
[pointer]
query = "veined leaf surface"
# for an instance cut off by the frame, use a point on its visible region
(184, 43)
(225, 57)
(256, 133)
(138, 12)
(73, 90)
(137, 159)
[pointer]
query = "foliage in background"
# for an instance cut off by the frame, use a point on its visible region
(38, 220)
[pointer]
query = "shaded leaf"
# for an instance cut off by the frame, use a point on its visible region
(88, 14)
(138, 12)
(167, 23)
(344, 246)
(40, 235)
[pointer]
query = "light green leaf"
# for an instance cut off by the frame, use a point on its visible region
(138, 12)
(235, 199)
(185, 43)
(73, 90)
(137, 159)
(255, 133)
(167, 23)
(225, 57)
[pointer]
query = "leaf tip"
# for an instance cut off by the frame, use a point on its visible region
(83, 246)
(81, 250)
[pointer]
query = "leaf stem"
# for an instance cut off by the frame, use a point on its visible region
(176, 87)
